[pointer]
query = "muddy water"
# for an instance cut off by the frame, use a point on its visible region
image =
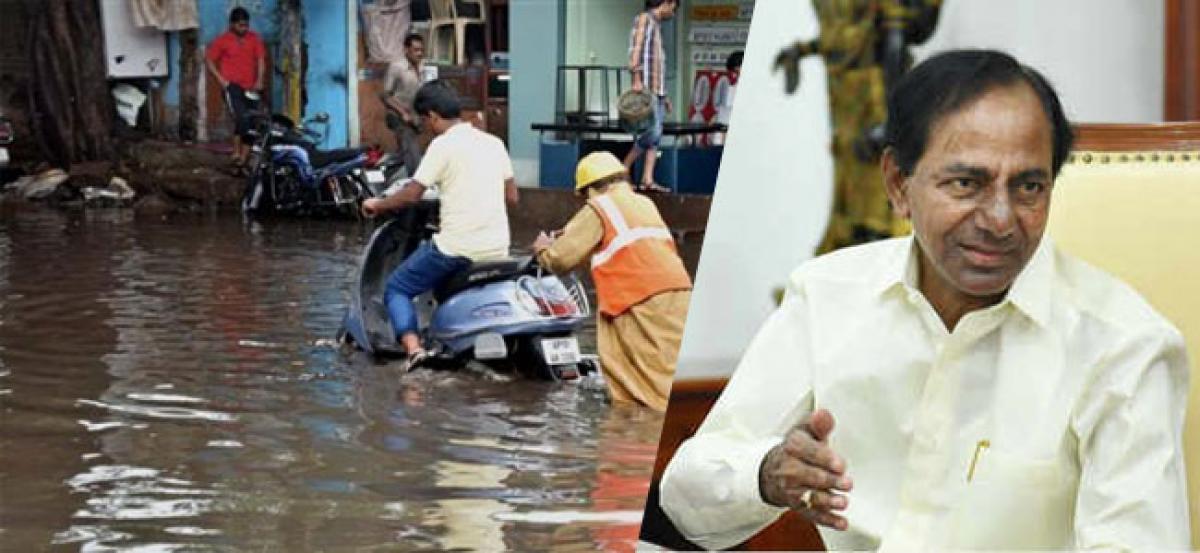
(170, 385)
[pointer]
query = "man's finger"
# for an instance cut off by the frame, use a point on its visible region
(826, 501)
(820, 479)
(801, 445)
(794, 474)
(820, 424)
(824, 518)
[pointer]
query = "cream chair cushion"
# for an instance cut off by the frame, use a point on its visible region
(1137, 216)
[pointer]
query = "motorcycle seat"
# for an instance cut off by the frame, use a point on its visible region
(321, 158)
(482, 273)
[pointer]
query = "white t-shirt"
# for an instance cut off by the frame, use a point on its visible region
(469, 168)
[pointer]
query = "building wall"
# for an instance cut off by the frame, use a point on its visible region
(775, 185)
(597, 33)
(325, 27)
(535, 47)
(1105, 57)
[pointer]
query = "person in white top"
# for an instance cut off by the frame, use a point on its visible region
(967, 387)
(474, 176)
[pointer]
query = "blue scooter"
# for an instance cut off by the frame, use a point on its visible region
(509, 314)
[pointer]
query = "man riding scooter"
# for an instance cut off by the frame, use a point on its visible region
(474, 176)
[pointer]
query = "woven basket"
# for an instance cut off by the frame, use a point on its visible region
(635, 111)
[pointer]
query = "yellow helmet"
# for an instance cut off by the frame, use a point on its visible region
(596, 166)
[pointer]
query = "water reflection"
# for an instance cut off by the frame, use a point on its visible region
(171, 385)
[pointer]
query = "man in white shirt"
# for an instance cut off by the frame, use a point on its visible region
(474, 177)
(967, 387)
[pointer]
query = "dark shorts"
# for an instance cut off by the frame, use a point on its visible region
(239, 105)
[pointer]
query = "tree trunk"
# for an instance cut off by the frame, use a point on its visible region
(72, 108)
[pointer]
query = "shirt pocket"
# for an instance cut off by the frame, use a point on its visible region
(1014, 502)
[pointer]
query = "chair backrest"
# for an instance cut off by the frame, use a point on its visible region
(1129, 203)
(441, 9)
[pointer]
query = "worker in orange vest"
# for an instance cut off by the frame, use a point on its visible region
(641, 284)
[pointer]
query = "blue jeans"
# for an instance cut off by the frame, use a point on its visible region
(424, 270)
(653, 135)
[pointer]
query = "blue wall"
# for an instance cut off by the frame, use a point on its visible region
(325, 27)
(535, 41)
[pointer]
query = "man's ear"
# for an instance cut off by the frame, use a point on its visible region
(895, 182)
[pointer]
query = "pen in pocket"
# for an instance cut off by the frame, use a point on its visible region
(979, 448)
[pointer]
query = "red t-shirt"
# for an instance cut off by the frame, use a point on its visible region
(237, 59)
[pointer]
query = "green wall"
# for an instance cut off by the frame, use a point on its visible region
(535, 34)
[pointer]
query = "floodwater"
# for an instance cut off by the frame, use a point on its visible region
(172, 385)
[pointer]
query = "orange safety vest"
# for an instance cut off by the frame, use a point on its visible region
(637, 257)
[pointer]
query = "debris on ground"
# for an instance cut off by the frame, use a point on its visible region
(39, 186)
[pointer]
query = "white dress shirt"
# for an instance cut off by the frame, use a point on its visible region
(1074, 383)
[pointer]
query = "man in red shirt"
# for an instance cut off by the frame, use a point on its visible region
(237, 59)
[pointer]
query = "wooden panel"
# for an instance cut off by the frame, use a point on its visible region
(690, 402)
(1122, 137)
(1182, 69)
(372, 115)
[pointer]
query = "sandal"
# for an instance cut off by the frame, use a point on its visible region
(653, 187)
(415, 359)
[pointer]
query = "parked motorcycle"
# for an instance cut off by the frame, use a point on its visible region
(289, 174)
(509, 314)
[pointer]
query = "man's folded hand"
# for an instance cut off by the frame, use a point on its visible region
(804, 474)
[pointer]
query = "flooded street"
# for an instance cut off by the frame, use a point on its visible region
(173, 385)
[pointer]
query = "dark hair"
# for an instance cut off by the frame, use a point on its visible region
(949, 81)
(734, 60)
(238, 14)
(410, 38)
(437, 97)
(651, 4)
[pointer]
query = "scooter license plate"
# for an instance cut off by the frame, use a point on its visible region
(3, 156)
(490, 345)
(375, 176)
(561, 351)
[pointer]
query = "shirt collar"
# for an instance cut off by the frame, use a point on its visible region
(898, 267)
(1029, 293)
